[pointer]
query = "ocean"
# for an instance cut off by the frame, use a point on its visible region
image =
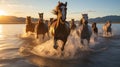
(20, 50)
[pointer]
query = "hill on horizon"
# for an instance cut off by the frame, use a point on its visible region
(21, 20)
(14, 20)
(112, 18)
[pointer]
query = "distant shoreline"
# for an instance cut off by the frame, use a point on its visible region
(76, 22)
(12, 23)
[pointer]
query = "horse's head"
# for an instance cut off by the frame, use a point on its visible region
(93, 25)
(61, 10)
(51, 19)
(108, 24)
(40, 17)
(85, 16)
(72, 21)
(84, 19)
(28, 20)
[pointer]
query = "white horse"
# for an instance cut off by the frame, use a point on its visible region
(107, 30)
(84, 31)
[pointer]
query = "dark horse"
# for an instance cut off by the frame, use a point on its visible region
(94, 28)
(41, 27)
(29, 25)
(73, 25)
(94, 31)
(60, 29)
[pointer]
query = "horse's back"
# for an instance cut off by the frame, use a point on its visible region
(62, 29)
(30, 27)
(41, 28)
(86, 32)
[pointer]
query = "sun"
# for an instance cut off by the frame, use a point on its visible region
(2, 12)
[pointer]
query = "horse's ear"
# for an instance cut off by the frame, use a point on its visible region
(41, 13)
(58, 2)
(65, 3)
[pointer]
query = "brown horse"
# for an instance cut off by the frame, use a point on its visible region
(73, 25)
(41, 27)
(94, 29)
(29, 25)
(60, 29)
(107, 28)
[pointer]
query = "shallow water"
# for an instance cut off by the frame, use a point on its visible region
(106, 51)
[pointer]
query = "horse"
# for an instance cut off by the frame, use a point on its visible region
(107, 30)
(41, 27)
(29, 25)
(73, 25)
(84, 31)
(60, 28)
(94, 31)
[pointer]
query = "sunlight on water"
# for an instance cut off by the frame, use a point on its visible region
(1, 32)
(18, 49)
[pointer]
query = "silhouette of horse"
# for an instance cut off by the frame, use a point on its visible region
(73, 25)
(41, 27)
(94, 29)
(60, 29)
(107, 30)
(84, 31)
(29, 25)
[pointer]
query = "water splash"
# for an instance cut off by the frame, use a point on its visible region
(73, 48)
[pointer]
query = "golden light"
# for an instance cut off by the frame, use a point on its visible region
(2, 12)
(1, 31)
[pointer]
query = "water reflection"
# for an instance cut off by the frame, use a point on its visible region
(47, 62)
(1, 32)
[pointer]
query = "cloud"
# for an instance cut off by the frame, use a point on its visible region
(91, 11)
(79, 12)
(2, 1)
(75, 13)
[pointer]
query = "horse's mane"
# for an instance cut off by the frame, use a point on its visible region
(55, 12)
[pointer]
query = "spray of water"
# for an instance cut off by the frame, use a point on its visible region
(73, 48)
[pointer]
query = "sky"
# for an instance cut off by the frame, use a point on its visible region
(94, 8)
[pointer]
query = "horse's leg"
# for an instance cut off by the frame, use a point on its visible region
(43, 36)
(63, 44)
(37, 36)
(88, 39)
(48, 34)
(55, 43)
(81, 41)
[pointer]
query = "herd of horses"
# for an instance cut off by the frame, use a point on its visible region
(60, 29)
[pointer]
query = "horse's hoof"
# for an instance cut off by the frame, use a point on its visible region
(55, 46)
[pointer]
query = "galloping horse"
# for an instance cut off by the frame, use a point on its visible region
(94, 29)
(107, 28)
(73, 26)
(29, 25)
(60, 29)
(41, 27)
(84, 31)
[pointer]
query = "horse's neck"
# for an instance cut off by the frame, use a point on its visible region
(40, 22)
(59, 22)
(29, 23)
(85, 27)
